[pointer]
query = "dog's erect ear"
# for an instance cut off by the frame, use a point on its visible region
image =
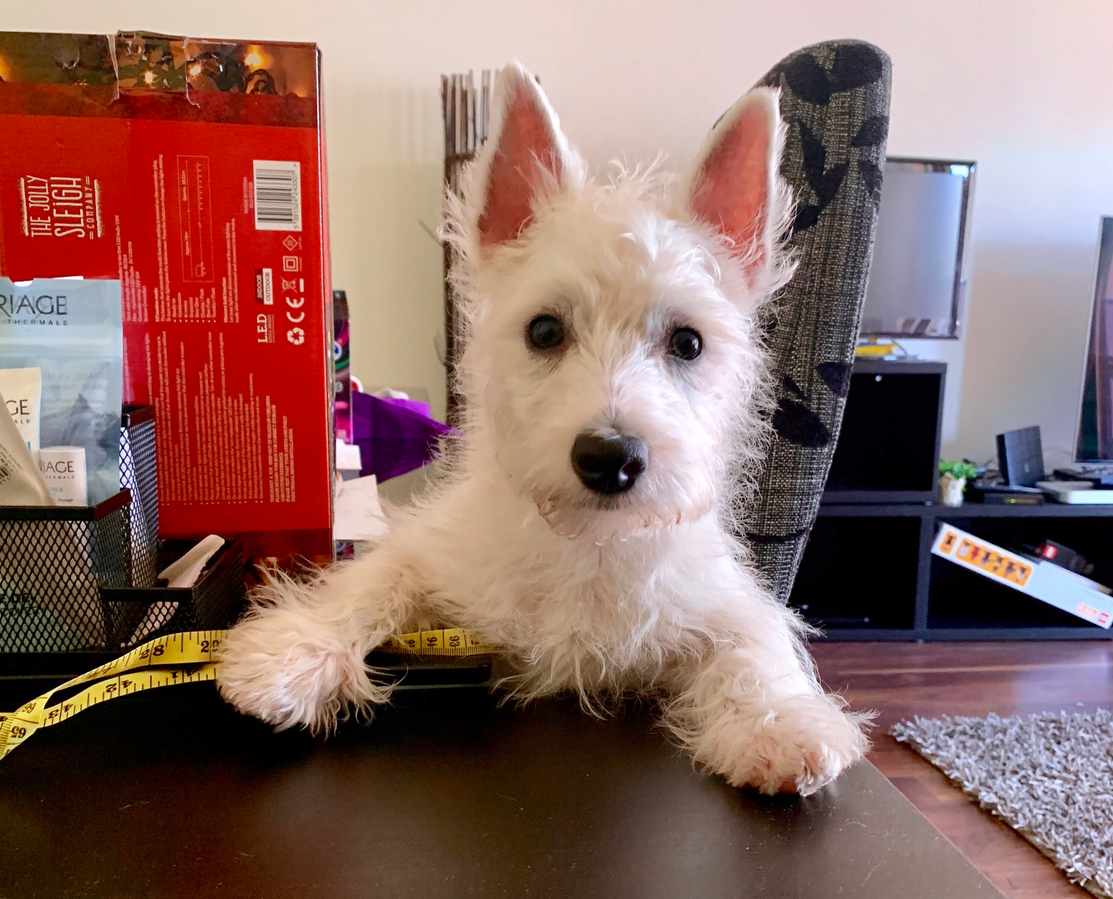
(734, 185)
(525, 156)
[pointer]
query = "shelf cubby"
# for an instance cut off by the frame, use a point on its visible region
(868, 572)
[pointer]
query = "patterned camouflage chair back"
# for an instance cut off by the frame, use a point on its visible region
(835, 102)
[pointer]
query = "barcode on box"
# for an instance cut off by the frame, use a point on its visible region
(277, 195)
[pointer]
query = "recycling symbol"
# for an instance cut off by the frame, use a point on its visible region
(296, 336)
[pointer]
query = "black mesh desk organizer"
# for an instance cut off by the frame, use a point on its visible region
(78, 585)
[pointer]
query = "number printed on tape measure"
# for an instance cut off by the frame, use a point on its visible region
(455, 642)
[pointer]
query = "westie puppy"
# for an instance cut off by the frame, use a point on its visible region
(613, 377)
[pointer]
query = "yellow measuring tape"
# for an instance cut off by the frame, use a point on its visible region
(185, 658)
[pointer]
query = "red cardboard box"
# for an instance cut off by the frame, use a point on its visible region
(193, 171)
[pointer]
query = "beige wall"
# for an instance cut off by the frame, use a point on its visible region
(1024, 87)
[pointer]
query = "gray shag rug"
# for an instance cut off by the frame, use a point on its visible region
(1050, 777)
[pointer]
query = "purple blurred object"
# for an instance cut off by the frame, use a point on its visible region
(393, 436)
(413, 405)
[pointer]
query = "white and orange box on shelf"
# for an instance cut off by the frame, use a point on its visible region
(1044, 581)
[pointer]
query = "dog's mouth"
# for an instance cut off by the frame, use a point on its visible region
(611, 517)
(583, 502)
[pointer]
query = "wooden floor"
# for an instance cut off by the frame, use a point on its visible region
(901, 680)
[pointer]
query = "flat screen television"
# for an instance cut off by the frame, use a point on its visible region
(921, 251)
(1094, 445)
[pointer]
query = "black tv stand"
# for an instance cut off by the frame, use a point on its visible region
(868, 572)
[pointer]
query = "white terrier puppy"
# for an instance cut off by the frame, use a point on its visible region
(614, 383)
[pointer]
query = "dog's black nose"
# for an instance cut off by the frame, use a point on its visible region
(609, 465)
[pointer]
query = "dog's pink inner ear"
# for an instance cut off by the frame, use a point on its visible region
(514, 177)
(731, 191)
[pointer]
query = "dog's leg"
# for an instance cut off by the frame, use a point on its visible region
(752, 709)
(297, 658)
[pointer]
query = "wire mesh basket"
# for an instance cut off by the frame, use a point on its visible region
(79, 585)
(136, 614)
(139, 474)
(54, 560)
(130, 616)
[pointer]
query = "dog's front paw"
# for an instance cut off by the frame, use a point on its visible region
(289, 670)
(796, 746)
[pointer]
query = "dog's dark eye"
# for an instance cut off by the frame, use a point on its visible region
(685, 343)
(545, 332)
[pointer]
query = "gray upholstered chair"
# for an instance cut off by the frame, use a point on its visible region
(835, 101)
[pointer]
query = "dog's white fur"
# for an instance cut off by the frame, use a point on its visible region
(647, 592)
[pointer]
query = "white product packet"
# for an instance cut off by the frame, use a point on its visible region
(22, 389)
(21, 482)
(63, 469)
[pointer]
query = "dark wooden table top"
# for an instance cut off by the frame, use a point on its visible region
(171, 793)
